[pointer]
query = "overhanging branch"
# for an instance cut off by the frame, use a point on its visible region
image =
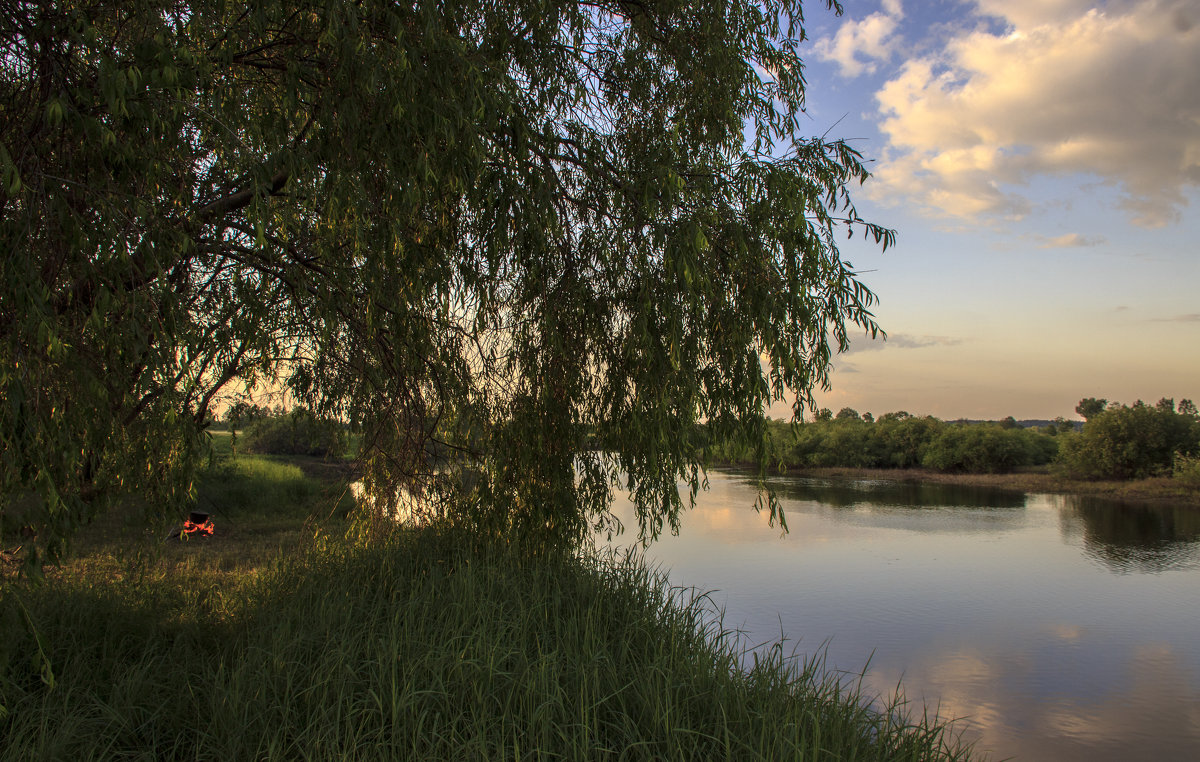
(241, 198)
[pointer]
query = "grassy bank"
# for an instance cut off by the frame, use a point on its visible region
(424, 645)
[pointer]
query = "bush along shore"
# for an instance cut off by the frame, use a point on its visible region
(282, 637)
(1133, 452)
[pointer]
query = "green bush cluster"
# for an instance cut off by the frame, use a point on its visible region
(986, 448)
(1134, 441)
(1117, 442)
(296, 433)
(900, 440)
(1187, 470)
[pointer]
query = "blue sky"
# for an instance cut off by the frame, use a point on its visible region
(1040, 160)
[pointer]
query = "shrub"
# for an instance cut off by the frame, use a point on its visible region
(1130, 442)
(297, 433)
(984, 448)
(849, 442)
(905, 438)
(1187, 469)
(900, 440)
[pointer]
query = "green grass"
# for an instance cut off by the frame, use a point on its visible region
(428, 644)
(263, 507)
(258, 484)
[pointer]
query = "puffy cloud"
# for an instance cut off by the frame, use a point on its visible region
(1061, 90)
(872, 39)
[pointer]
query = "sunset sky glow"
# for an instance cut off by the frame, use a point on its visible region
(1040, 161)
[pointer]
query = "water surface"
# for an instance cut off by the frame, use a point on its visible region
(1059, 628)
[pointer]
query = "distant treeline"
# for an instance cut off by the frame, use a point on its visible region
(1116, 442)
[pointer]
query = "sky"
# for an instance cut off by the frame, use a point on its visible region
(1040, 162)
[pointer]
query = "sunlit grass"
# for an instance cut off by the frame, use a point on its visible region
(257, 484)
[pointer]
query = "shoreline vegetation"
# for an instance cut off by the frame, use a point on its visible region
(296, 633)
(1147, 454)
(1154, 491)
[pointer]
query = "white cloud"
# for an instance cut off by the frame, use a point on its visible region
(870, 39)
(902, 341)
(1062, 90)
(1069, 240)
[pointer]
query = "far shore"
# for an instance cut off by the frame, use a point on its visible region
(1161, 491)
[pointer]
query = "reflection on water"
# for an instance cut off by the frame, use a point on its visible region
(1060, 628)
(1133, 538)
(849, 493)
(902, 505)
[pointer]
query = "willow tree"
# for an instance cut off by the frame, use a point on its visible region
(528, 244)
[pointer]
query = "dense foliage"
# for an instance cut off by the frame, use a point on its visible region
(1133, 441)
(1187, 470)
(900, 440)
(988, 449)
(544, 224)
(1116, 442)
(296, 433)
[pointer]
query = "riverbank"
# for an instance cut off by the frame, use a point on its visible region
(426, 644)
(1154, 491)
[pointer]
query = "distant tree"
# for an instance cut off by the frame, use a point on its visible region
(1165, 405)
(848, 414)
(1061, 426)
(868, 417)
(1188, 408)
(1009, 423)
(824, 414)
(242, 413)
(899, 415)
(1090, 407)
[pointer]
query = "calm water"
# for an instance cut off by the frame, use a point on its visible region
(1060, 628)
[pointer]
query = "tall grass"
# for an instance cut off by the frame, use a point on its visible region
(427, 646)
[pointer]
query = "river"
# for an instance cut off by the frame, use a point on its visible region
(1056, 627)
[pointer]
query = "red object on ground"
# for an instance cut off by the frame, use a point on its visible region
(191, 527)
